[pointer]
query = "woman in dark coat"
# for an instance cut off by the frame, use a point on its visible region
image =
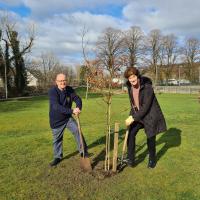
(145, 113)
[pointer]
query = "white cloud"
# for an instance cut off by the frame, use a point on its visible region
(12, 2)
(176, 16)
(61, 34)
(46, 8)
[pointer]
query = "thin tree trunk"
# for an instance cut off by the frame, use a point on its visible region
(107, 157)
(109, 114)
(87, 88)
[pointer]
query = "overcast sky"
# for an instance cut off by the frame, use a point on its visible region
(59, 22)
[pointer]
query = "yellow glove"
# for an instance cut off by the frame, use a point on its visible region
(129, 121)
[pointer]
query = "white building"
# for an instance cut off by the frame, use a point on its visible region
(32, 81)
(1, 82)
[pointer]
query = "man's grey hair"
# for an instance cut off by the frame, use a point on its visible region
(60, 74)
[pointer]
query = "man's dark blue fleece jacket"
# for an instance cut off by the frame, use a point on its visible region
(60, 102)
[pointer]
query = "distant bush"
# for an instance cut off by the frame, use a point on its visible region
(34, 91)
(29, 91)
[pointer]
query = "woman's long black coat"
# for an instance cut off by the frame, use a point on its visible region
(149, 112)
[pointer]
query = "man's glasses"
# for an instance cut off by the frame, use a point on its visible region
(60, 81)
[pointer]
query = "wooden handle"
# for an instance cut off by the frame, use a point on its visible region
(80, 135)
(125, 144)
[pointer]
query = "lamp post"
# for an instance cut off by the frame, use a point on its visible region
(179, 75)
(199, 74)
(5, 77)
(6, 85)
(5, 69)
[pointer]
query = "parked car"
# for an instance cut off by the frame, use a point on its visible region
(184, 82)
(172, 82)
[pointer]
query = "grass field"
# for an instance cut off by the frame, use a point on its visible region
(26, 150)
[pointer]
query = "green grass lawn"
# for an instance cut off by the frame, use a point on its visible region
(26, 150)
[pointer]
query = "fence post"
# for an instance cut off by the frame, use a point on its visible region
(115, 151)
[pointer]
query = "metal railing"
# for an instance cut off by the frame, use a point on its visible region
(189, 89)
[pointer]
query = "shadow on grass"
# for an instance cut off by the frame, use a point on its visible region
(171, 138)
(101, 141)
(101, 156)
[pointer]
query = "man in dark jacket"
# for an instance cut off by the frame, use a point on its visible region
(145, 113)
(61, 97)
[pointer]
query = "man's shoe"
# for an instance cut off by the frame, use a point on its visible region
(55, 162)
(151, 164)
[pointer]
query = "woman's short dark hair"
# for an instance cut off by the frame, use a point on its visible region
(131, 71)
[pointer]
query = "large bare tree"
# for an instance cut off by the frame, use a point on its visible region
(171, 52)
(153, 50)
(191, 52)
(133, 40)
(49, 64)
